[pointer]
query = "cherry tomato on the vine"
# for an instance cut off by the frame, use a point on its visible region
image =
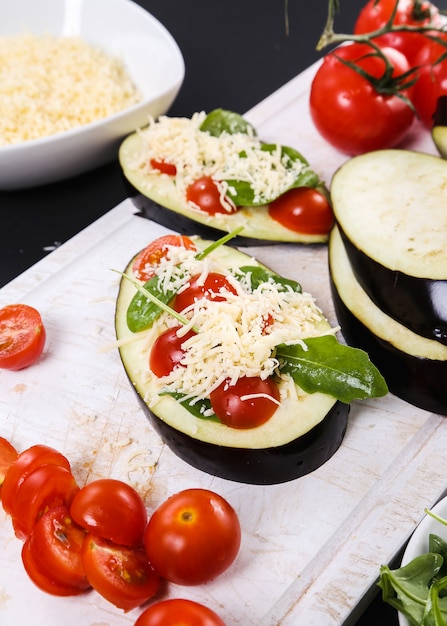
(111, 509)
(149, 258)
(192, 537)
(214, 287)
(206, 194)
(178, 612)
(22, 336)
(167, 351)
(304, 210)
(164, 167)
(432, 80)
(376, 13)
(346, 108)
(248, 403)
(8, 454)
(122, 575)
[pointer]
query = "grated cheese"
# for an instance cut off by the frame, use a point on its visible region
(53, 84)
(180, 142)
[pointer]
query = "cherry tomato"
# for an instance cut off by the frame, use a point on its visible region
(167, 351)
(45, 487)
(22, 336)
(348, 111)
(248, 403)
(178, 612)
(376, 13)
(213, 287)
(120, 574)
(304, 210)
(164, 167)
(54, 550)
(148, 259)
(8, 455)
(206, 194)
(192, 537)
(432, 81)
(111, 509)
(24, 464)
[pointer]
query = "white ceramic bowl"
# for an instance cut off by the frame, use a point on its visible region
(119, 27)
(418, 543)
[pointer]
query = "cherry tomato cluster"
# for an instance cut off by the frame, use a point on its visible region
(99, 536)
(364, 109)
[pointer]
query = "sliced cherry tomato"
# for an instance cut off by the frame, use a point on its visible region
(206, 194)
(167, 351)
(164, 167)
(122, 575)
(304, 210)
(432, 80)
(46, 487)
(376, 13)
(8, 455)
(149, 259)
(24, 464)
(22, 336)
(178, 612)
(346, 108)
(55, 549)
(41, 580)
(248, 403)
(193, 537)
(214, 287)
(111, 509)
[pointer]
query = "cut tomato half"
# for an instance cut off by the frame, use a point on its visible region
(22, 336)
(8, 455)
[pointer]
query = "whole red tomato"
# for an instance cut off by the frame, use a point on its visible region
(192, 537)
(348, 110)
(178, 611)
(376, 13)
(432, 80)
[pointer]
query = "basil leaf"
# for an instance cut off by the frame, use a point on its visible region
(260, 275)
(142, 312)
(330, 367)
(220, 121)
(198, 408)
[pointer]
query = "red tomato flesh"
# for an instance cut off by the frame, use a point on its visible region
(149, 258)
(122, 575)
(206, 194)
(111, 509)
(432, 80)
(248, 403)
(178, 612)
(303, 210)
(167, 352)
(22, 336)
(192, 537)
(164, 167)
(214, 287)
(8, 454)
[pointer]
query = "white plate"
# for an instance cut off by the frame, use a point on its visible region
(120, 28)
(418, 543)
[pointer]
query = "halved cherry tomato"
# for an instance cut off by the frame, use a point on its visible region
(41, 580)
(178, 612)
(45, 487)
(213, 287)
(111, 509)
(206, 194)
(248, 403)
(54, 549)
(149, 258)
(8, 455)
(122, 575)
(304, 210)
(192, 537)
(24, 464)
(22, 336)
(167, 351)
(164, 167)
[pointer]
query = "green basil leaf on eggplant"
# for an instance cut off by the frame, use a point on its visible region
(199, 408)
(142, 312)
(221, 120)
(259, 275)
(324, 365)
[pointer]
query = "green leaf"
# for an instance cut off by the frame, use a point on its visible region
(198, 408)
(327, 366)
(142, 312)
(220, 120)
(260, 275)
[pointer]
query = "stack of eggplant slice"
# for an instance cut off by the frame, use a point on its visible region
(388, 268)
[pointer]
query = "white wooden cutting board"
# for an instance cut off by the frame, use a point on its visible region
(311, 548)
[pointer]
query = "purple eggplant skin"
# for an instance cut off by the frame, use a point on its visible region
(416, 303)
(416, 380)
(266, 466)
